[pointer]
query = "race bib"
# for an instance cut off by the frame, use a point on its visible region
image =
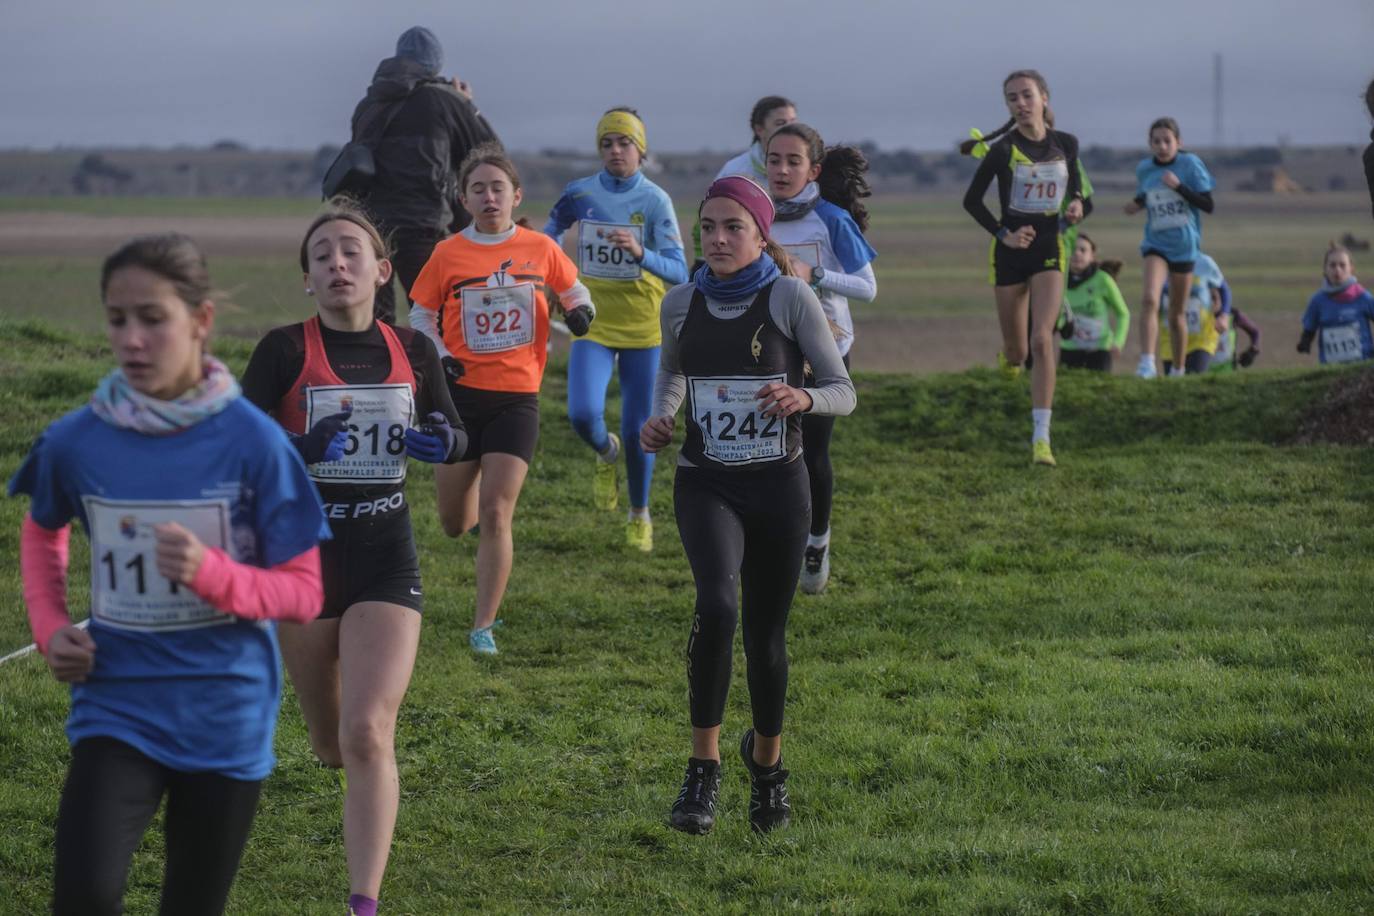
(1088, 331)
(376, 449)
(599, 258)
(127, 591)
(497, 318)
(1039, 187)
(1193, 315)
(733, 429)
(808, 253)
(1167, 208)
(1341, 344)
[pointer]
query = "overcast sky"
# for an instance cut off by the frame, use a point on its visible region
(286, 75)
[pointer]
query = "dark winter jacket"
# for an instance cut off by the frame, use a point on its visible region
(1369, 169)
(417, 158)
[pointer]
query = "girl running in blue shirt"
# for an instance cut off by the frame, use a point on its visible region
(1340, 313)
(1173, 187)
(204, 529)
(820, 224)
(629, 252)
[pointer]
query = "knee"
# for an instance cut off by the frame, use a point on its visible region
(455, 523)
(366, 738)
(88, 895)
(495, 515)
(1042, 344)
(1015, 352)
(583, 419)
(327, 753)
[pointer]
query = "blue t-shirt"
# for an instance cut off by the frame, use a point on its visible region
(1173, 227)
(192, 688)
(827, 237)
(1342, 327)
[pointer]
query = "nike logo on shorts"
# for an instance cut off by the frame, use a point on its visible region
(415, 591)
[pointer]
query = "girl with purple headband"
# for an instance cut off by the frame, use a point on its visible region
(735, 341)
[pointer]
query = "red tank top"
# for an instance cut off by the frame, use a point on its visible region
(318, 372)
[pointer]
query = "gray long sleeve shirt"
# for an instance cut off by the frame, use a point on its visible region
(796, 311)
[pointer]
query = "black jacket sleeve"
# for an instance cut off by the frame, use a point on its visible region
(1069, 143)
(1200, 199)
(996, 158)
(1369, 172)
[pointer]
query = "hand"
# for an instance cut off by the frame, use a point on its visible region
(579, 320)
(71, 654)
(1222, 323)
(1305, 344)
(326, 440)
(179, 552)
(800, 269)
(1248, 357)
(433, 441)
(779, 400)
(1021, 238)
(463, 88)
(625, 239)
(1066, 330)
(657, 433)
(1170, 180)
(1073, 213)
(1133, 208)
(453, 370)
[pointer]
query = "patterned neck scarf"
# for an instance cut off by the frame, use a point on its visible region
(799, 206)
(117, 403)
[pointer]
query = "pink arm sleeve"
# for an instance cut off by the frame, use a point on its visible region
(43, 566)
(290, 591)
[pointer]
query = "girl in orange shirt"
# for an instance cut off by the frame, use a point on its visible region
(480, 299)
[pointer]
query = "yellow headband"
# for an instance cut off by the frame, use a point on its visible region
(622, 122)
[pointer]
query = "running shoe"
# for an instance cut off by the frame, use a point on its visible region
(482, 642)
(1009, 372)
(639, 534)
(1146, 369)
(815, 570)
(695, 808)
(769, 808)
(1176, 372)
(1041, 454)
(606, 479)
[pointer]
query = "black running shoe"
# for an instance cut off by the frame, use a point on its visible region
(695, 808)
(769, 808)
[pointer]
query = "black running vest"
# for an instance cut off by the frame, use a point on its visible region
(726, 361)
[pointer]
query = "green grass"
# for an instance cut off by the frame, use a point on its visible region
(1140, 682)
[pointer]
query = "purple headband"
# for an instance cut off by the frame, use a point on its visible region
(747, 193)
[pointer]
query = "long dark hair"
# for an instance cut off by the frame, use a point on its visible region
(968, 145)
(842, 180)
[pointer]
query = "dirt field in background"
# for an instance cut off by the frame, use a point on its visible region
(916, 342)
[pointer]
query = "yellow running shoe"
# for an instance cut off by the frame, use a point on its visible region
(606, 479)
(1041, 454)
(639, 534)
(1009, 372)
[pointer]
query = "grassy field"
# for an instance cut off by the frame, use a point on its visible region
(1140, 683)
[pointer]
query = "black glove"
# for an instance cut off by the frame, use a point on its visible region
(1066, 330)
(453, 370)
(1305, 342)
(326, 440)
(578, 320)
(434, 441)
(1248, 357)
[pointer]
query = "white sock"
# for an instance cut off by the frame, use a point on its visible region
(1176, 372)
(818, 540)
(1040, 418)
(612, 451)
(1147, 359)
(639, 513)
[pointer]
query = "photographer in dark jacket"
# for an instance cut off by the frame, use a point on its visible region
(413, 197)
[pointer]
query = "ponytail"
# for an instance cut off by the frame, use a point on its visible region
(968, 146)
(1110, 267)
(779, 256)
(843, 183)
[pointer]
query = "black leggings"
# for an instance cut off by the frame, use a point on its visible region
(111, 795)
(1097, 360)
(743, 531)
(816, 433)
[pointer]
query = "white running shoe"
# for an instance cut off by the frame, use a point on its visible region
(815, 570)
(1146, 369)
